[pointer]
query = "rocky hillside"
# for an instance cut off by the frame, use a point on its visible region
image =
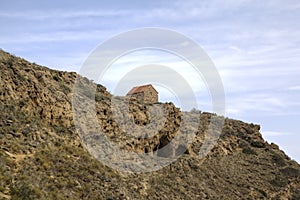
(43, 155)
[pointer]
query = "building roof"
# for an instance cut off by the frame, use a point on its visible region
(141, 88)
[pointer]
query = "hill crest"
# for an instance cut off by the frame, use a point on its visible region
(38, 136)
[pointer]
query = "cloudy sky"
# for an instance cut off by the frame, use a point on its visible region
(255, 45)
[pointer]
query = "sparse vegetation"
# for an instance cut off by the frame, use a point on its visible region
(290, 172)
(279, 181)
(248, 150)
(56, 78)
(64, 88)
(25, 191)
(278, 159)
(42, 157)
(10, 61)
(258, 144)
(263, 192)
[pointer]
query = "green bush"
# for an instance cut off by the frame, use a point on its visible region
(2, 189)
(263, 192)
(258, 144)
(10, 61)
(279, 181)
(295, 194)
(290, 172)
(278, 160)
(24, 191)
(248, 150)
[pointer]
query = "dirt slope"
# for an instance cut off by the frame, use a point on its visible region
(43, 157)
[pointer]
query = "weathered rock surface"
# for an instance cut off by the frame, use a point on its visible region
(42, 153)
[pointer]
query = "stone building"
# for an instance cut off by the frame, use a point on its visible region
(144, 93)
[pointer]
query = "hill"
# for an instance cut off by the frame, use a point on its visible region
(44, 156)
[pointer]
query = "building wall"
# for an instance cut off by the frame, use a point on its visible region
(150, 95)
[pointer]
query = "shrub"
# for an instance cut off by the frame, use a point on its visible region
(278, 160)
(258, 144)
(263, 192)
(56, 78)
(248, 150)
(290, 172)
(100, 97)
(10, 61)
(243, 144)
(65, 89)
(24, 191)
(279, 181)
(295, 194)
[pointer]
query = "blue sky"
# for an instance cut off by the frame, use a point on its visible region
(254, 44)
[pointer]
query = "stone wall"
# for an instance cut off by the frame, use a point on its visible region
(150, 95)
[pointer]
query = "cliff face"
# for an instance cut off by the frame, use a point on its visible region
(43, 154)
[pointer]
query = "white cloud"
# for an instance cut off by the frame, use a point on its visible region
(62, 14)
(235, 48)
(56, 36)
(274, 133)
(240, 104)
(119, 69)
(294, 88)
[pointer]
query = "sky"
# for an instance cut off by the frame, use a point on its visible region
(255, 46)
